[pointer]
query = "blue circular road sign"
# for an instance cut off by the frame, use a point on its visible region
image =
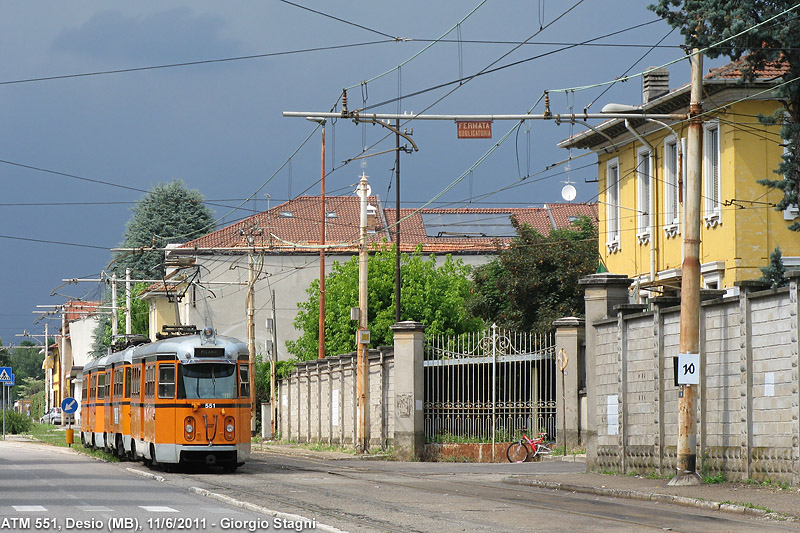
(69, 405)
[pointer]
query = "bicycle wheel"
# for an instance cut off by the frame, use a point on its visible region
(517, 452)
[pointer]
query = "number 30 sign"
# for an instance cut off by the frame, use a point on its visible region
(689, 369)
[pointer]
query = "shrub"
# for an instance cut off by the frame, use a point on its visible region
(17, 423)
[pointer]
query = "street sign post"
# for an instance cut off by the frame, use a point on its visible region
(69, 406)
(7, 379)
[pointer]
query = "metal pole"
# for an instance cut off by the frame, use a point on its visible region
(48, 397)
(494, 387)
(321, 348)
(4, 411)
(114, 318)
(558, 117)
(273, 360)
(690, 284)
(251, 337)
(128, 318)
(361, 369)
(397, 282)
(63, 367)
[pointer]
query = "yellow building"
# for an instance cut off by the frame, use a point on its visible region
(641, 169)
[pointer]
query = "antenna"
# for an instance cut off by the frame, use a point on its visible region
(568, 192)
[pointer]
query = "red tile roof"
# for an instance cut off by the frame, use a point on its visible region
(77, 310)
(733, 71)
(294, 226)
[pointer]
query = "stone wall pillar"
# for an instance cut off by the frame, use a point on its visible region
(409, 390)
(602, 292)
(570, 337)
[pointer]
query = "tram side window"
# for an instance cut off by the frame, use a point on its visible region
(117, 382)
(150, 381)
(126, 392)
(84, 392)
(133, 381)
(244, 381)
(101, 386)
(166, 380)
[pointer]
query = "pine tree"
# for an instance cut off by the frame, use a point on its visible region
(167, 214)
(705, 23)
(774, 272)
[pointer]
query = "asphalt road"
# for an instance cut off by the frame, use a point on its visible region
(348, 495)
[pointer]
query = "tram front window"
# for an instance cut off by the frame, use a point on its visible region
(207, 381)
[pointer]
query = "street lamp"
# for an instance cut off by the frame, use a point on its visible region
(321, 347)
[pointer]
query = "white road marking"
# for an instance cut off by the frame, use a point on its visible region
(158, 509)
(29, 508)
(95, 509)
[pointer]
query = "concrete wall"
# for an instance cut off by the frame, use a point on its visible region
(748, 402)
(317, 402)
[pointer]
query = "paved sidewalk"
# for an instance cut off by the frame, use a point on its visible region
(759, 500)
(732, 497)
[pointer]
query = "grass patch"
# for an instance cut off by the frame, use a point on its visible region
(56, 436)
(657, 475)
(782, 485)
(719, 477)
(327, 447)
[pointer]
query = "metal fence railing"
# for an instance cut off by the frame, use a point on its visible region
(487, 386)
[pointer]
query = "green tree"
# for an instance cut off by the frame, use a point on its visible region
(140, 322)
(26, 360)
(774, 272)
(168, 213)
(432, 295)
(535, 280)
(5, 355)
(707, 22)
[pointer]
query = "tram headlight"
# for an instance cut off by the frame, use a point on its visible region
(230, 428)
(188, 428)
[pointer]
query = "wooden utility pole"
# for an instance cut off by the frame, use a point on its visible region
(690, 283)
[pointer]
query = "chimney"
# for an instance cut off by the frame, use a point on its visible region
(655, 83)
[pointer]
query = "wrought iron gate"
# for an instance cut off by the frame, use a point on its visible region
(484, 387)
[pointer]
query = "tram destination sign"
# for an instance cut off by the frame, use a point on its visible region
(474, 129)
(204, 351)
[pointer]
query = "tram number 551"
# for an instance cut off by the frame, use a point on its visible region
(210, 405)
(688, 369)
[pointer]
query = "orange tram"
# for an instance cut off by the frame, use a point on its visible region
(175, 401)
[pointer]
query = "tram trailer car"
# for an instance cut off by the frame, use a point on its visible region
(179, 400)
(93, 403)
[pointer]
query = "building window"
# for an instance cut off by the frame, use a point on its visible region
(643, 196)
(612, 206)
(673, 166)
(711, 194)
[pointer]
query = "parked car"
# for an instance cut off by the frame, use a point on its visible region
(53, 416)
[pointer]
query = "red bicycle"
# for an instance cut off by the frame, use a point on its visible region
(525, 448)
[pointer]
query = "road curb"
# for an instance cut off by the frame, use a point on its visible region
(644, 496)
(262, 510)
(312, 454)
